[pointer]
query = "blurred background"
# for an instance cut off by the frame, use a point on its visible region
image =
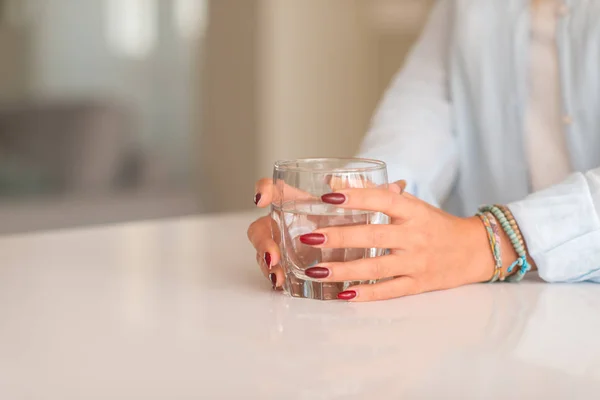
(116, 110)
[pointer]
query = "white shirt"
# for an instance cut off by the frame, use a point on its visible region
(545, 142)
(451, 124)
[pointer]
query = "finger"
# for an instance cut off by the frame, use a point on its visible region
(395, 205)
(263, 192)
(345, 181)
(277, 277)
(364, 269)
(261, 237)
(274, 275)
(378, 236)
(398, 187)
(391, 289)
(261, 263)
(266, 193)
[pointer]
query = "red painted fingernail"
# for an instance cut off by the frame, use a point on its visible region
(333, 198)
(268, 259)
(273, 279)
(257, 197)
(313, 239)
(317, 272)
(347, 295)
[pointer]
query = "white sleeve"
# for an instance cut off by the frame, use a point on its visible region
(412, 128)
(561, 227)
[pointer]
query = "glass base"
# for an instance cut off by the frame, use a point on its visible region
(309, 289)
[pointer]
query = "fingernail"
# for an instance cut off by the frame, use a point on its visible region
(257, 197)
(317, 272)
(273, 279)
(268, 259)
(313, 239)
(333, 198)
(347, 295)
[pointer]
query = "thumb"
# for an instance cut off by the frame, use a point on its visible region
(398, 187)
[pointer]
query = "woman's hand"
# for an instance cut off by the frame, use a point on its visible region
(261, 235)
(429, 248)
(264, 232)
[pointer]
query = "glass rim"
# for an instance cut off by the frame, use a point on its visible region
(372, 164)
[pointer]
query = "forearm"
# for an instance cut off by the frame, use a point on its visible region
(412, 130)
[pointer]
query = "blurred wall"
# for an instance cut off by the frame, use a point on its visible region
(227, 154)
(14, 63)
(293, 78)
(317, 63)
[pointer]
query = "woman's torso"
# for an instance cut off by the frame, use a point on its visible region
(490, 88)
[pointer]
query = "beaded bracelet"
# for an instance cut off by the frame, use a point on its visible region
(489, 221)
(497, 229)
(513, 223)
(526, 267)
(511, 229)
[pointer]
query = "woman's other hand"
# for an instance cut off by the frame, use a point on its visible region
(261, 235)
(264, 232)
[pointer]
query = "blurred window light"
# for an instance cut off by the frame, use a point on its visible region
(190, 17)
(132, 26)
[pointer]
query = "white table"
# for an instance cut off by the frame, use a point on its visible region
(178, 310)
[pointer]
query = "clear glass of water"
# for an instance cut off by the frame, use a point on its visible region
(297, 209)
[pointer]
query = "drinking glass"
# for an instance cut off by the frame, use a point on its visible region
(297, 209)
